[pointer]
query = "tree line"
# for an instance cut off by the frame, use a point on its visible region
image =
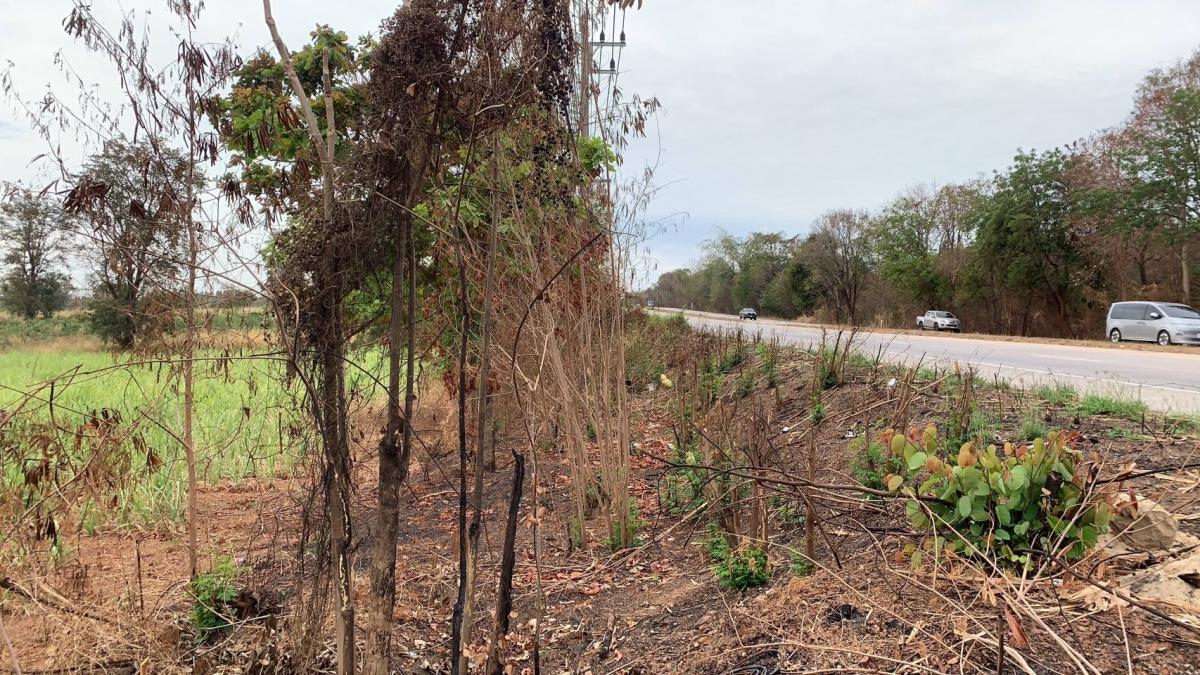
(1039, 248)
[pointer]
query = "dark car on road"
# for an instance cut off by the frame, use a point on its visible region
(748, 313)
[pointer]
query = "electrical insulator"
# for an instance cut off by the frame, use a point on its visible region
(622, 36)
(612, 64)
(602, 35)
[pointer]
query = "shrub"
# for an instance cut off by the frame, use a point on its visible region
(801, 565)
(683, 487)
(211, 595)
(745, 384)
(870, 464)
(766, 359)
(740, 568)
(1003, 506)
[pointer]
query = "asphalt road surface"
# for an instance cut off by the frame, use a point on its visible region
(1166, 381)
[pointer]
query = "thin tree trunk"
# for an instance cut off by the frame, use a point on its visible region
(1186, 269)
(483, 445)
(332, 351)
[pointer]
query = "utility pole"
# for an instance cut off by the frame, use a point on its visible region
(587, 60)
(585, 66)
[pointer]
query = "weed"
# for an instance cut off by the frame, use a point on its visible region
(766, 360)
(683, 487)
(1122, 434)
(870, 464)
(745, 384)
(634, 523)
(1126, 408)
(1058, 393)
(801, 565)
(1032, 425)
(211, 595)
(741, 568)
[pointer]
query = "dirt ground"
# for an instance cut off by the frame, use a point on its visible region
(120, 603)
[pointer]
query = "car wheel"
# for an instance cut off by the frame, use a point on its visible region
(1164, 338)
(1115, 335)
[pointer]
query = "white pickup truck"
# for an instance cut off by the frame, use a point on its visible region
(935, 319)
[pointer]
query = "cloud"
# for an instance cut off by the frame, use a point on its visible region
(776, 110)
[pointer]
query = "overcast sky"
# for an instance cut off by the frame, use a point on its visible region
(776, 110)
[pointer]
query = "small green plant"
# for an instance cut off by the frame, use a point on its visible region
(740, 568)
(617, 539)
(1032, 425)
(860, 359)
(801, 565)
(789, 514)
(767, 367)
(745, 384)
(211, 595)
(1008, 506)
(1122, 434)
(682, 488)
(1126, 408)
(871, 463)
(1058, 393)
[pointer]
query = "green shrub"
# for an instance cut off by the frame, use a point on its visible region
(801, 565)
(766, 360)
(745, 384)
(870, 464)
(985, 505)
(741, 568)
(616, 539)
(682, 488)
(211, 595)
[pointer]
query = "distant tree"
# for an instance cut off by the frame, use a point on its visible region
(31, 229)
(130, 198)
(838, 252)
(1162, 160)
(904, 237)
(1027, 254)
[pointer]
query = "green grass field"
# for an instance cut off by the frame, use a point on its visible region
(244, 418)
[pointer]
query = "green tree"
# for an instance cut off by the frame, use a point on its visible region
(1027, 254)
(904, 238)
(1162, 160)
(33, 229)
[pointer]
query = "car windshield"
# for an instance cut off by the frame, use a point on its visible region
(943, 315)
(1181, 312)
(747, 309)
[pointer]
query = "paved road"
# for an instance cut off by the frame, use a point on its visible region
(1168, 381)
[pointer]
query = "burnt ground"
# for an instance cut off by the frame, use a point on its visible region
(120, 603)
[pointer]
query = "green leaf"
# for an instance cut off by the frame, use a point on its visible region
(917, 460)
(964, 506)
(894, 483)
(1003, 515)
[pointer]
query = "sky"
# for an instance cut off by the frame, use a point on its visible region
(773, 110)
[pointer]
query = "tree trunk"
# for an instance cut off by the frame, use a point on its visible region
(1186, 269)
(392, 472)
